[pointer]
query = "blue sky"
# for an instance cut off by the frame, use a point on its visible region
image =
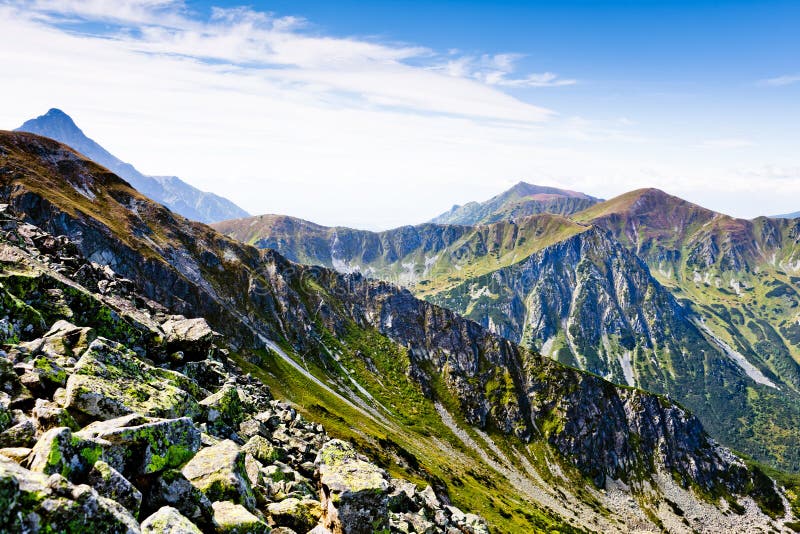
(381, 113)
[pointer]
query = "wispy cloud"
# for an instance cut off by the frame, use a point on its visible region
(499, 70)
(282, 50)
(781, 81)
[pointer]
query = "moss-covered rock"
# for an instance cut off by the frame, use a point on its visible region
(354, 491)
(220, 473)
(171, 488)
(110, 483)
(111, 381)
(262, 450)
(168, 520)
(299, 515)
(159, 443)
(224, 410)
(60, 451)
(33, 502)
(49, 415)
(234, 518)
(23, 434)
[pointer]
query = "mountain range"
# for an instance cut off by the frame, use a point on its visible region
(431, 397)
(645, 289)
(170, 191)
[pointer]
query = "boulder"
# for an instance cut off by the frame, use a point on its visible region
(172, 488)
(193, 337)
(262, 450)
(236, 519)
(32, 500)
(160, 443)
(110, 483)
(224, 410)
(60, 451)
(300, 515)
(220, 473)
(111, 381)
(23, 434)
(354, 491)
(49, 415)
(168, 520)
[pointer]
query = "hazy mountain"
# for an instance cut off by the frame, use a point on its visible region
(520, 201)
(794, 215)
(527, 442)
(174, 193)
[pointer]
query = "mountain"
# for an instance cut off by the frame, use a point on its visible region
(794, 215)
(428, 257)
(600, 292)
(520, 201)
(174, 193)
(428, 396)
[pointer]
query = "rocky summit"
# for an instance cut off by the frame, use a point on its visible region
(158, 376)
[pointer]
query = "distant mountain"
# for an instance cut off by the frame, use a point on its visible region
(645, 289)
(794, 215)
(174, 193)
(520, 201)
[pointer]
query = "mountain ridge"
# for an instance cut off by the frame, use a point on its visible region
(522, 199)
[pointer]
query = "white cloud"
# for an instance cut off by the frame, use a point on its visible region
(498, 70)
(781, 81)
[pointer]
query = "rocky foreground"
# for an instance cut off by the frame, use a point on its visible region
(118, 417)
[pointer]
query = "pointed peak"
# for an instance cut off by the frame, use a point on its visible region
(52, 124)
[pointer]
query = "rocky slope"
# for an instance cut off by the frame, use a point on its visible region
(520, 201)
(528, 443)
(138, 421)
(168, 190)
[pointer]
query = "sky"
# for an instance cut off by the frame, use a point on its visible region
(384, 113)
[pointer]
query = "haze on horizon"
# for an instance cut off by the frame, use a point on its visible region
(380, 115)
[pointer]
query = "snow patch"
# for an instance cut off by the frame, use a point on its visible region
(751, 370)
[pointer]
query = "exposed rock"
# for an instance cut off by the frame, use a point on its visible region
(171, 488)
(23, 434)
(193, 337)
(354, 492)
(110, 483)
(168, 520)
(18, 454)
(111, 381)
(220, 473)
(262, 450)
(60, 451)
(299, 515)
(33, 502)
(49, 415)
(160, 443)
(235, 519)
(224, 410)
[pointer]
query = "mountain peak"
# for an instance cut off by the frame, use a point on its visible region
(54, 124)
(521, 200)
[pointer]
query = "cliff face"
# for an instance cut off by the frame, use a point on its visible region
(412, 383)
